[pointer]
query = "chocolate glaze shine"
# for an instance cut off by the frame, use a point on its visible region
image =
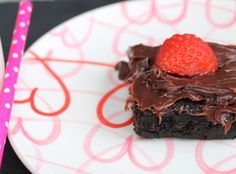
(152, 88)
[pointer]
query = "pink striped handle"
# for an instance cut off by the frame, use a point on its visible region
(12, 68)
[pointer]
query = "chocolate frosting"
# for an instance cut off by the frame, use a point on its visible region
(152, 88)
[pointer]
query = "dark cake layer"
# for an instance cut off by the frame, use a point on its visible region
(212, 96)
(180, 125)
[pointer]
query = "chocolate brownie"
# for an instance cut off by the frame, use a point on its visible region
(170, 105)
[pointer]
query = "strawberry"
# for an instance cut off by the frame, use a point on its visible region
(186, 55)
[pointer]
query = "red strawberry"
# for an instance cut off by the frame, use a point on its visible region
(186, 55)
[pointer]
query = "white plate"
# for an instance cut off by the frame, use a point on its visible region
(67, 78)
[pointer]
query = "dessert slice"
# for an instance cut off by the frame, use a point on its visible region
(185, 88)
